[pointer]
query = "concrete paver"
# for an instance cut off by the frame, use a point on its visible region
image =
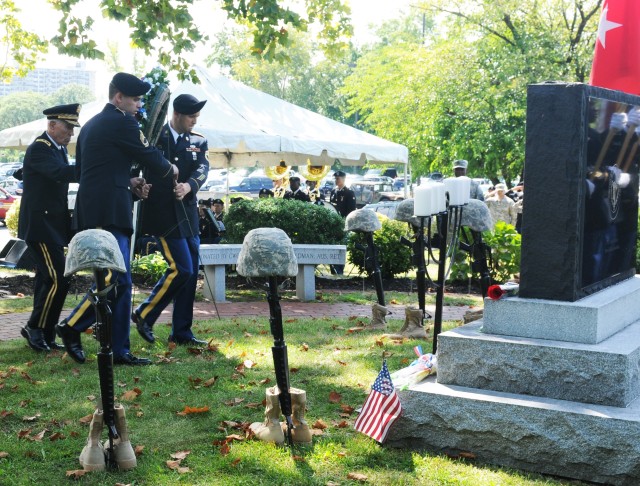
(10, 324)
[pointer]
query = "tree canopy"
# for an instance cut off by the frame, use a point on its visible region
(168, 29)
(462, 92)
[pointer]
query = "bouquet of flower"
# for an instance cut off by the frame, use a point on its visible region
(155, 104)
(425, 365)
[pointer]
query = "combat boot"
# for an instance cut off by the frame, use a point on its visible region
(123, 452)
(412, 327)
(378, 313)
(270, 430)
(92, 455)
(301, 434)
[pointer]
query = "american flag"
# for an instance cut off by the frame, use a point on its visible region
(381, 409)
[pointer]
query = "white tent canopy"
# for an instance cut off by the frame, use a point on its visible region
(246, 127)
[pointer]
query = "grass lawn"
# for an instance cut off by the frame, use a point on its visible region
(43, 398)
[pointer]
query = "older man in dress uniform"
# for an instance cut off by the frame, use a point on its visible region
(45, 223)
(108, 146)
(173, 220)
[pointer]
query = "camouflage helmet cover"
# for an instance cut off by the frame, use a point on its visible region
(363, 220)
(94, 248)
(267, 252)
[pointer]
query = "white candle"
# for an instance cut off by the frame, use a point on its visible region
(466, 188)
(422, 201)
(454, 187)
(440, 198)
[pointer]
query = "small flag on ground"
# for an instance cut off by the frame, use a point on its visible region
(381, 409)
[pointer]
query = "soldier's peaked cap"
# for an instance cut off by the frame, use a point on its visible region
(460, 164)
(339, 173)
(68, 113)
(187, 104)
(129, 85)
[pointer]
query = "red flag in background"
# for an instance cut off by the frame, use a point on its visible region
(616, 60)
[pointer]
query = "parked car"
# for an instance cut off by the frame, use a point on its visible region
(368, 192)
(252, 185)
(12, 186)
(387, 208)
(6, 200)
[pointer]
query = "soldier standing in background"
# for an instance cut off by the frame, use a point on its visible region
(45, 224)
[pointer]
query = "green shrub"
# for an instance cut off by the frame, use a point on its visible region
(149, 268)
(505, 243)
(394, 257)
(303, 222)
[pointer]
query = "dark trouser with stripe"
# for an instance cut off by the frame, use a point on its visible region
(177, 285)
(51, 287)
(83, 316)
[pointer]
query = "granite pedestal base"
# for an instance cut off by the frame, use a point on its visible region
(568, 439)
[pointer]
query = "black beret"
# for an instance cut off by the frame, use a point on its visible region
(294, 178)
(187, 104)
(217, 201)
(129, 85)
(266, 191)
(339, 173)
(68, 113)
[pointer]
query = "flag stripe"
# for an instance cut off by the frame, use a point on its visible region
(381, 408)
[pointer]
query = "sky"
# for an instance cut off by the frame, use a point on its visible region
(364, 14)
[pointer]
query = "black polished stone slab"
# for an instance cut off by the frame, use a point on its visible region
(579, 220)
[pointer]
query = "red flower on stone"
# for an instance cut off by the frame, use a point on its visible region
(495, 292)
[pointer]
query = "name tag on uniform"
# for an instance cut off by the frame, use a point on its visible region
(193, 148)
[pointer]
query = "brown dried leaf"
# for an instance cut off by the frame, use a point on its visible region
(195, 381)
(192, 410)
(290, 320)
(265, 381)
(294, 370)
(75, 371)
(225, 449)
(24, 403)
(404, 361)
(3, 454)
(304, 347)
(235, 462)
(180, 455)
(298, 458)
(130, 395)
(210, 382)
(136, 379)
(76, 474)
(138, 450)
(316, 432)
(351, 330)
(5, 413)
(234, 402)
(195, 351)
(249, 364)
(254, 405)
(31, 419)
(91, 398)
(86, 419)
(379, 342)
(343, 363)
(173, 464)
(233, 437)
(319, 424)
(387, 354)
(247, 334)
(38, 437)
(346, 408)
(23, 433)
(56, 436)
(213, 347)
(342, 425)
(357, 477)
(172, 346)
(467, 455)
(335, 397)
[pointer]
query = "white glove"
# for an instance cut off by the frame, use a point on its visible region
(618, 121)
(633, 118)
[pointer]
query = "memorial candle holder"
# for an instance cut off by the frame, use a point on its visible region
(431, 201)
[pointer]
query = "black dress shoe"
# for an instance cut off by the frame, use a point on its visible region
(144, 328)
(131, 360)
(54, 346)
(35, 338)
(189, 342)
(71, 340)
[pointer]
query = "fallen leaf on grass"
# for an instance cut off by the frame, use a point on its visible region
(175, 465)
(294, 370)
(249, 364)
(91, 398)
(191, 410)
(180, 455)
(210, 382)
(75, 371)
(379, 342)
(138, 450)
(304, 347)
(335, 397)
(319, 424)
(194, 351)
(86, 419)
(298, 458)
(265, 381)
(225, 449)
(3, 454)
(38, 437)
(316, 432)
(32, 418)
(342, 425)
(24, 403)
(236, 461)
(404, 361)
(76, 474)
(467, 455)
(131, 395)
(23, 433)
(253, 405)
(343, 363)
(56, 436)
(234, 402)
(234, 437)
(5, 413)
(357, 477)
(346, 408)
(351, 330)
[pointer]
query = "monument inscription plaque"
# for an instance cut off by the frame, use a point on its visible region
(580, 212)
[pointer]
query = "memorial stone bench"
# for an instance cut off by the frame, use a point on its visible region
(215, 258)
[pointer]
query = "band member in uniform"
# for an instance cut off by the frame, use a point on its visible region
(45, 223)
(173, 220)
(217, 205)
(314, 192)
(295, 192)
(108, 145)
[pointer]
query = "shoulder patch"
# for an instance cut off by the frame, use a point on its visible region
(44, 140)
(143, 139)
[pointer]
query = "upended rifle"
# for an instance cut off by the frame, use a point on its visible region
(102, 332)
(279, 351)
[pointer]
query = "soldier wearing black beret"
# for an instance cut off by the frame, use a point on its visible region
(173, 218)
(264, 193)
(44, 221)
(107, 147)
